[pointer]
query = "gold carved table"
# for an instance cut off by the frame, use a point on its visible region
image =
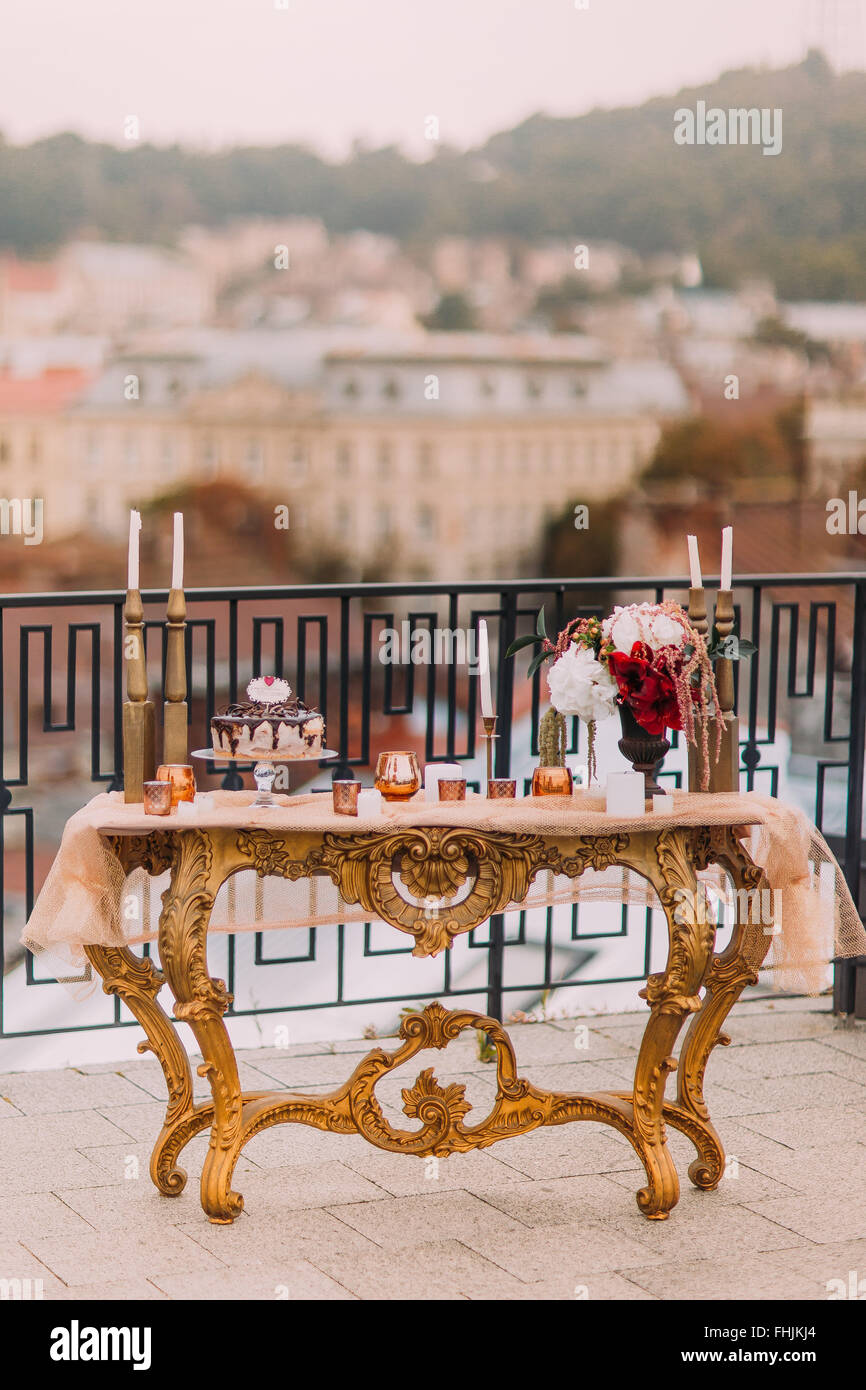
(431, 862)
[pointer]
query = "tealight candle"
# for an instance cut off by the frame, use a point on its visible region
(663, 804)
(626, 793)
(434, 773)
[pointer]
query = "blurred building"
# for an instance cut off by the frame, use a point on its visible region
(423, 455)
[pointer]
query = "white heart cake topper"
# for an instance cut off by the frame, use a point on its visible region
(268, 690)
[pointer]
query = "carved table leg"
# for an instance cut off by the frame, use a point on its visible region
(672, 996)
(137, 981)
(728, 975)
(201, 1002)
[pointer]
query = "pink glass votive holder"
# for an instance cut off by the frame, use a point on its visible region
(452, 789)
(346, 797)
(157, 798)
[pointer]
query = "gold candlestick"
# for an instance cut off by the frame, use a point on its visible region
(175, 719)
(489, 722)
(139, 751)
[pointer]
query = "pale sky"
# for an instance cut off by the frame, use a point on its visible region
(218, 72)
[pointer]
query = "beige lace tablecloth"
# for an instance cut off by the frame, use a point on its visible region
(87, 899)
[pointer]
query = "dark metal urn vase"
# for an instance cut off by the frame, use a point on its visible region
(646, 752)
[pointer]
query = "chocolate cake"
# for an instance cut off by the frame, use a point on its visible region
(271, 723)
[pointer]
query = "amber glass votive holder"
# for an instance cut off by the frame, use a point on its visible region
(346, 797)
(398, 775)
(501, 787)
(452, 788)
(552, 781)
(182, 779)
(157, 798)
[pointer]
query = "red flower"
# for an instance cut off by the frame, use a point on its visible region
(648, 691)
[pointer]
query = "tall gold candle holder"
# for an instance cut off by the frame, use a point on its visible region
(139, 726)
(489, 722)
(175, 716)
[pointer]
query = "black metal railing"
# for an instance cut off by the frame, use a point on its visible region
(804, 692)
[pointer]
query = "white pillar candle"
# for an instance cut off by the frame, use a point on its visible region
(663, 804)
(484, 669)
(694, 563)
(727, 557)
(433, 774)
(369, 801)
(626, 793)
(132, 566)
(177, 553)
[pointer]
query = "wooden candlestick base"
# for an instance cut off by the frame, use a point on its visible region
(724, 774)
(139, 748)
(175, 740)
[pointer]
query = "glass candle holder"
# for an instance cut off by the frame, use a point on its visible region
(157, 798)
(501, 787)
(552, 781)
(346, 797)
(182, 779)
(452, 788)
(398, 775)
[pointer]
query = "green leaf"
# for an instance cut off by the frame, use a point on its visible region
(540, 626)
(536, 661)
(520, 642)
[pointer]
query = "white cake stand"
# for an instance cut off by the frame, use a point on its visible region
(264, 769)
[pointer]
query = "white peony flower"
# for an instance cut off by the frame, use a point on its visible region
(579, 684)
(626, 630)
(666, 632)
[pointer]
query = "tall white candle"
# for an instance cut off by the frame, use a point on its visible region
(484, 668)
(177, 553)
(694, 563)
(132, 566)
(727, 557)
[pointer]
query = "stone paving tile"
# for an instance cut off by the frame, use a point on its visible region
(759, 1277)
(563, 1200)
(831, 1216)
(307, 1185)
(748, 1186)
(283, 1145)
(18, 1262)
(443, 1269)
(809, 1089)
(47, 1134)
(134, 1205)
(816, 1170)
(272, 1235)
(398, 1222)
(22, 1170)
(128, 1291)
(579, 1287)
(296, 1073)
(39, 1214)
(850, 1040)
(52, 1092)
(579, 1076)
(808, 1126)
(8, 1110)
(403, 1175)
(142, 1121)
(574, 1252)
(797, 1059)
(689, 1234)
(113, 1162)
(293, 1280)
(562, 1151)
(84, 1259)
(777, 1027)
(834, 1260)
